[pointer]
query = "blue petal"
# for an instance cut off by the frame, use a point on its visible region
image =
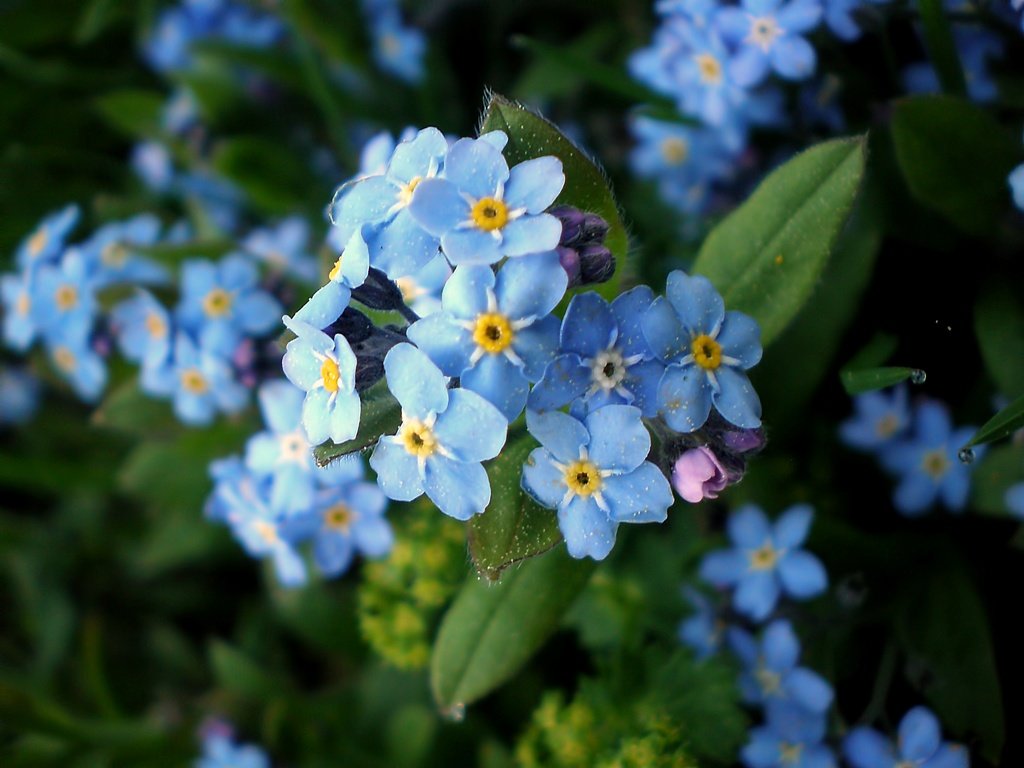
(762, 751)
(289, 567)
(733, 23)
(629, 309)
(313, 338)
(413, 158)
(531, 286)
(619, 440)
(397, 471)
(949, 756)
(808, 689)
(471, 246)
(465, 294)
(257, 312)
(587, 530)
(332, 552)
(684, 397)
(531, 234)
(740, 338)
(919, 735)
(402, 247)
(932, 425)
(415, 381)
(315, 416)
(470, 429)
(565, 378)
(867, 748)
(641, 496)
(756, 594)
(280, 405)
(664, 332)
(736, 398)
(476, 167)
(193, 409)
(325, 306)
(438, 207)
(792, 526)
(536, 346)
(534, 184)
(955, 487)
(543, 480)
(749, 528)
(459, 489)
(355, 259)
(559, 432)
(237, 273)
(589, 325)
(724, 567)
(261, 453)
(365, 201)
(698, 305)
(300, 366)
(800, 15)
(373, 536)
(292, 488)
(915, 494)
(802, 574)
(642, 380)
(749, 66)
(499, 382)
(344, 416)
(743, 645)
(497, 139)
(794, 58)
(448, 345)
(780, 646)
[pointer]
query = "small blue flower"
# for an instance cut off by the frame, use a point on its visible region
(603, 356)
(708, 352)
(200, 380)
(19, 396)
(143, 329)
(222, 302)
(879, 419)
(285, 247)
(703, 630)
(705, 85)
(482, 211)
(16, 291)
(768, 34)
(348, 273)
(927, 462)
(325, 369)
(64, 294)
(919, 745)
(71, 352)
(496, 334)
(398, 49)
(111, 257)
(46, 243)
(152, 162)
(771, 672)
(443, 438)
(790, 738)
(595, 473)
(397, 244)
(221, 752)
(766, 561)
(1015, 500)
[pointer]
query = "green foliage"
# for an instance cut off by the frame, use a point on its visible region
(1001, 467)
(999, 327)
(865, 380)
(1003, 424)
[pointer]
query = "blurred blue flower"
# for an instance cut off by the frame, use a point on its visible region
(919, 744)
(349, 272)
(844, 17)
(790, 738)
(820, 105)
(481, 210)
(20, 329)
(285, 247)
(71, 352)
(143, 329)
(595, 473)
(152, 162)
(496, 333)
(879, 419)
(46, 243)
(769, 36)
(702, 631)
(977, 47)
(766, 561)
(19, 396)
(221, 752)
(200, 380)
(444, 436)
(64, 294)
(111, 257)
(1015, 500)
(398, 49)
(707, 351)
(706, 86)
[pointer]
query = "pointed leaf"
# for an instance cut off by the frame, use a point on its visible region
(856, 382)
(1003, 424)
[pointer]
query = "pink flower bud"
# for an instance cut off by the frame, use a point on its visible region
(698, 475)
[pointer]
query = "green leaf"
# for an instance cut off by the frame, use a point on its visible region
(239, 674)
(133, 111)
(856, 382)
(96, 17)
(1003, 424)
(492, 629)
(955, 157)
(996, 472)
(128, 409)
(767, 256)
(938, 37)
(514, 527)
(272, 177)
(586, 186)
(381, 415)
(999, 326)
(874, 354)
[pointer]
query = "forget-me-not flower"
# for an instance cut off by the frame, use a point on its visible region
(19, 327)
(1014, 500)
(46, 243)
(19, 396)
(72, 354)
(348, 273)
(220, 752)
(285, 247)
(143, 329)
(200, 380)
(768, 34)
(111, 254)
(790, 738)
(64, 294)
(879, 419)
(703, 630)
(919, 745)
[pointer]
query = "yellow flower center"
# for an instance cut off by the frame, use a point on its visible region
(338, 518)
(23, 304)
(887, 425)
(493, 332)
(266, 531)
(789, 754)
(66, 297)
(193, 381)
(769, 681)
(583, 478)
(935, 463)
(763, 32)
(405, 193)
(217, 303)
(710, 69)
(330, 374)
(418, 438)
(155, 325)
(490, 214)
(408, 288)
(114, 254)
(707, 352)
(675, 150)
(336, 269)
(65, 359)
(37, 242)
(765, 558)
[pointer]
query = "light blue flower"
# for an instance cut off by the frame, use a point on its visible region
(1014, 500)
(143, 329)
(16, 290)
(702, 631)
(348, 273)
(603, 356)
(595, 474)
(19, 396)
(766, 561)
(769, 36)
(152, 163)
(200, 380)
(496, 333)
(919, 745)
(842, 17)
(222, 302)
(111, 253)
(221, 752)
(421, 290)
(72, 355)
(325, 369)
(708, 352)
(398, 49)
(927, 464)
(397, 244)
(702, 71)
(64, 294)
(770, 669)
(879, 419)
(790, 738)
(443, 438)
(285, 247)
(482, 211)
(46, 243)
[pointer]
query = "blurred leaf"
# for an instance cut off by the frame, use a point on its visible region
(97, 16)
(173, 254)
(514, 527)
(540, 80)
(586, 186)
(318, 614)
(868, 379)
(135, 112)
(999, 326)
(236, 672)
(766, 257)
(999, 469)
(493, 629)
(335, 28)
(1003, 424)
(128, 409)
(874, 354)
(272, 177)
(938, 36)
(381, 415)
(955, 157)
(273, 63)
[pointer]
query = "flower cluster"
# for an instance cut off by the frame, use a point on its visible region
(398, 49)
(919, 742)
(918, 445)
(276, 499)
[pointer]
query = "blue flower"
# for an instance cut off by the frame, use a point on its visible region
(703, 630)
(20, 329)
(398, 49)
(482, 211)
(152, 162)
(791, 738)
(422, 290)
(919, 745)
(443, 438)
(603, 356)
(46, 243)
(927, 462)
(19, 396)
(143, 329)
(71, 352)
(496, 334)
(766, 560)
(397, 244)
(841, 17)
(769, 36)
(111, 257)
(771, 672)
(222, 302)
(349, 272)
(200, 380)
(64, 294)
(705, 85)
(325, 369)
(879, 419)
(595, 474)
(707, 351)
(1014, 500)
(285, 247)
(221, 752)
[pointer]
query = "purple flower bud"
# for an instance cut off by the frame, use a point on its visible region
(743, 440)
(594, 229)
(570, 263)
(698, 475)
(597, 264)
(572, 219)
